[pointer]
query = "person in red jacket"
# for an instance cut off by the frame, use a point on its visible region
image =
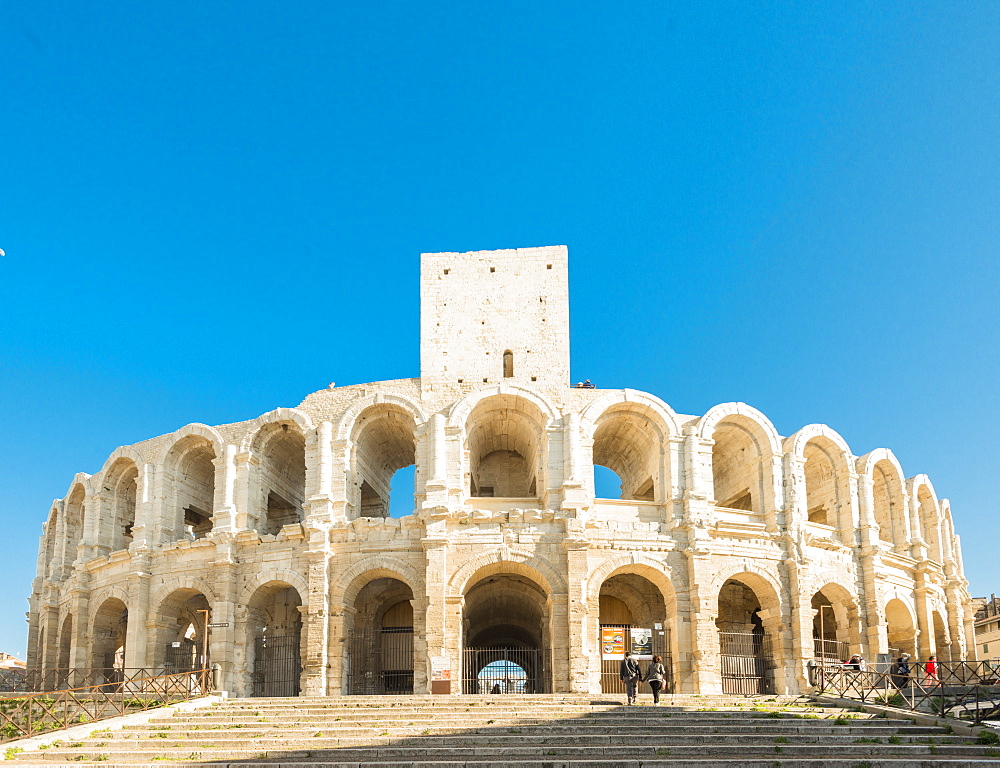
(931, 669)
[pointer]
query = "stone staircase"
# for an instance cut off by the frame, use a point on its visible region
(522, 732)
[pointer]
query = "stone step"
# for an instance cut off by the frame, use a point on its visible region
(577, 756)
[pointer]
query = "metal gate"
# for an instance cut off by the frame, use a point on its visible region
(380, 662)
(276, 665)
(610, 668)
(746, 663)
(505, 670)
(184, 656)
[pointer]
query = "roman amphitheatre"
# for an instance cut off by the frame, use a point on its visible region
(264, 548)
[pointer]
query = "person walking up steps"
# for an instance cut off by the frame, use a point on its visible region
(655, 676)
(630, 674)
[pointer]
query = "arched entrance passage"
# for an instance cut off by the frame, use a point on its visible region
(505, 636)
(274, 630)
(900, 628)
(942, 641)
(746, 655)
(181, 625)
(380, 639)
(633, 616)
(836, 633)
(108, 646)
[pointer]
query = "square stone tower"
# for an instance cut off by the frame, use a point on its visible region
(495, 316)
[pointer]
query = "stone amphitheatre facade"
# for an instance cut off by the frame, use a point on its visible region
(743, 554)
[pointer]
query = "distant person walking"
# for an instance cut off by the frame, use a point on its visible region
(630, 674)
(656, 675)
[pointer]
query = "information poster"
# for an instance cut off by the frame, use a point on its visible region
(612, 642)
(440, 668)
(642, 643)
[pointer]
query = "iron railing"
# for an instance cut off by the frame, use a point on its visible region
(41, 680)
(23, 715)
(380, 662)
(831, 650)
(967, 690)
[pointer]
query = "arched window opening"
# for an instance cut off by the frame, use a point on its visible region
(122, 483)
(74, 524)
(380, 633)
(821, 486)
(629, 445)
(274, 629)
(65, 644)
(736, 468)
(887, 499)
(829, 637)
(281, 450)
(508, 364)
(607, 484)
(503, 448)
(401, 492)
(191, 467)
(929, 523)
(384, 443)
(51, 538)
(942, 640)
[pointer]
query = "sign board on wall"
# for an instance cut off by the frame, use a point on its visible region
(440, 668)
(612, 642)
(642, 643)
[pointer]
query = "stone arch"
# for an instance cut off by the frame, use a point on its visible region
(827, 469)
(120, 483)
(74, 519)
(379, 607)
(458, 414)
(901, 625)
(383, 440)
(178, 627)
(269, 648)
(833, 600)
(628, 432)
(927, 514)
(348, 421)
(889, 499)
(745, 447)
(374, 567)
(505, 560)
(271, 575)
(657, 571)
(750, 624)
(108, 627)
(50, 536)
(277, 417)
(188, 467)
(505, 445)
(277, 473)
(939, 630)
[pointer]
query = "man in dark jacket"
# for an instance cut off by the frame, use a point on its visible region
(630, 674)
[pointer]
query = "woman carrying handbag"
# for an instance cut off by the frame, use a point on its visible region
(656, 676)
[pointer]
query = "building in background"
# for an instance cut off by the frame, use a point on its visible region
(987, 627)
(738, 554)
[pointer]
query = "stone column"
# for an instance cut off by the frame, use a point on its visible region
(925, 630)
(800, 650)
(145, 529)
(316, 631)
(137, 651)
(223, 640)
(562, 652)
(698, 647)
(224, 518)
(245, 487)
(583, 661)
(80, 644)
(442, 636)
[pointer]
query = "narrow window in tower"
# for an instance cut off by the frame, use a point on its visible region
(508, 364)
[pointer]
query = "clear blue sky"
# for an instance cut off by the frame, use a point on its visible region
(212, 209)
